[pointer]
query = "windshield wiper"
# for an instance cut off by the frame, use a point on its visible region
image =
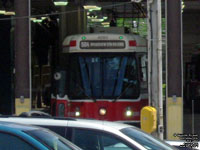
(124, 91)
(130, 80)
(83, 91)
(116, 80)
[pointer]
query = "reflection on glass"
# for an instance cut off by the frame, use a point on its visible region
(103, 76)
(53, 141)
(148, 141)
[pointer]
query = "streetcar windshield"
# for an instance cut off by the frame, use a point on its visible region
(100, 76)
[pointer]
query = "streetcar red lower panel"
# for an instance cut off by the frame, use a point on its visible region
(101, 109)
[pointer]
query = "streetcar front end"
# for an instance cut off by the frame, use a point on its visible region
(101, 79)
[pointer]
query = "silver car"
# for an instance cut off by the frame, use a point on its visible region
(97, 135)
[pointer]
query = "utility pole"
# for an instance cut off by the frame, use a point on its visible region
(22, 56)
(155, 60)
(174, 102)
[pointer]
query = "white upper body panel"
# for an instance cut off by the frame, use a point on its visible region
(104, 42)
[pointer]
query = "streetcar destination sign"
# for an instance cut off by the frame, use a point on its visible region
(102, 44)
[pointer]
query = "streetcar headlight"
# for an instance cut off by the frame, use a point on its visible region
(77, 112)
(102, 111)
(129, 112)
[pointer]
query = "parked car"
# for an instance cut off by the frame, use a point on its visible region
(96, 134)
(23, 137)
(35, 114)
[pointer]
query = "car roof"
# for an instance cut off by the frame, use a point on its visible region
(99, 124)
(16, 126)
(84, 123)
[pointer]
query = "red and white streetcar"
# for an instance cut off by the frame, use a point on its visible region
(102, 76)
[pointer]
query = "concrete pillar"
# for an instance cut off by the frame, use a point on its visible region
(22, 49)
(174, 102)
(6, 88)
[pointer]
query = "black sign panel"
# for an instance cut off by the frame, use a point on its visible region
(102, 44)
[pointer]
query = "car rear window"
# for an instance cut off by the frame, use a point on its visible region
(147, 140)
(53, 141)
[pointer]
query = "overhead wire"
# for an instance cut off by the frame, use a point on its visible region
(60, 13)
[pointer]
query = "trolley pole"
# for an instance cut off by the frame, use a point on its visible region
(22, 56)
(155, 60)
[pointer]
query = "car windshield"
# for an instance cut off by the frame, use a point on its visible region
(103, 75)
(147, 140)
(51, 140)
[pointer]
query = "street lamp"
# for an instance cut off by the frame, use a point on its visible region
(60, 2)
(9, 13)
(2, 12)
(91, 5)
(136, 1)
(2, 9)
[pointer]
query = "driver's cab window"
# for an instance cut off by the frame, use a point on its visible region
(96, 140)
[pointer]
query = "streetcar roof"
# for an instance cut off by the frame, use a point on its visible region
(116, 42)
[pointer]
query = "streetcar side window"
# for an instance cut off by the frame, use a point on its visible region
(59, 83)
(75, 82)
(61, 110)
(143, 67)
(143, 70)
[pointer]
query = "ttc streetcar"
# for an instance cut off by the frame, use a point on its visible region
(101, 76)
